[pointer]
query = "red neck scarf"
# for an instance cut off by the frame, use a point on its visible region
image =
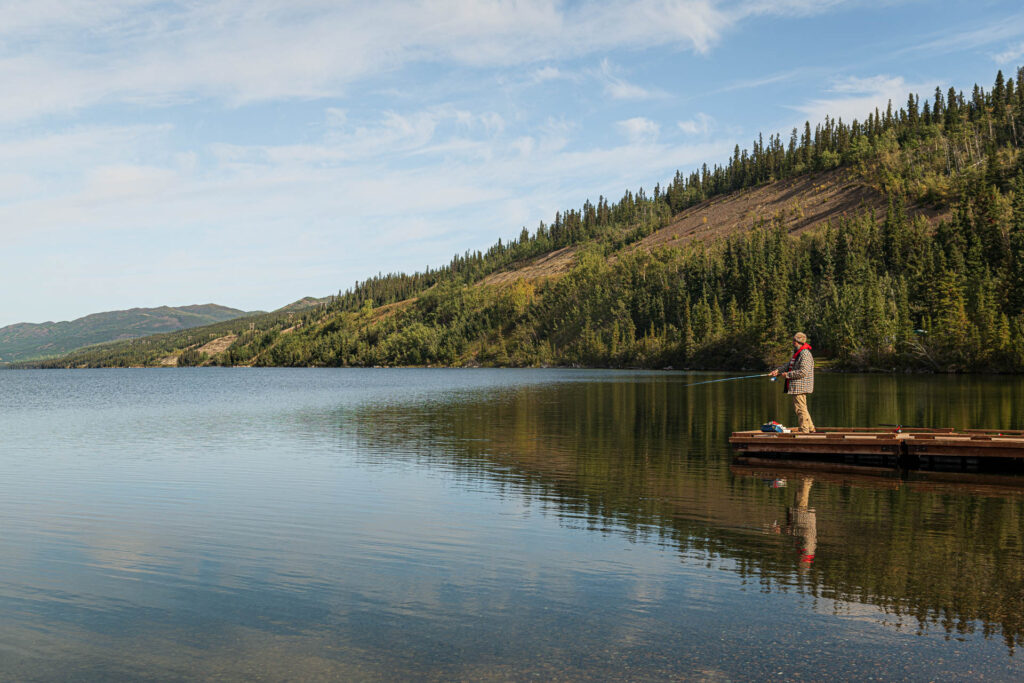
(797, 353)
(792, 363)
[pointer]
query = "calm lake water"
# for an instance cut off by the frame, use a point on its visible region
(488, 524)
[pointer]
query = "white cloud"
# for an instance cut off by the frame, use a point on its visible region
(59, 56)
(386, 179)
(1011, 54)
(639, 129)
(854, 84)
(77, 144)
(548, 73)
(125, 182)
(793, 8)
(855, 98)
(771, 79)
(618, 88)
(963, 38)
(394, 136)
(317, 216)
(62, 58)
(43, 165)
(701, 124)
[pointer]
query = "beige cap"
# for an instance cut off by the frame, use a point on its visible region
(800, 337)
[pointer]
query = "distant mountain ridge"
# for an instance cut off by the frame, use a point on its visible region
(25, 341)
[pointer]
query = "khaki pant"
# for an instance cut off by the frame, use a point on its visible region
(803, 417)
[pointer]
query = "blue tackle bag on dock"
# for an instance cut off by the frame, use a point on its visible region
(774, 426)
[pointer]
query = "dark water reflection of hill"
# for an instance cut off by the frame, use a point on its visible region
(649, 459)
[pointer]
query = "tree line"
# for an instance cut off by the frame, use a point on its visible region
(873, 290)
(940, 139)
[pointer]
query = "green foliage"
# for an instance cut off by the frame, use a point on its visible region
(871, 291)
(191, 357)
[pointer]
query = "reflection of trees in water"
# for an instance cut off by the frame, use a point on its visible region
(649, 459)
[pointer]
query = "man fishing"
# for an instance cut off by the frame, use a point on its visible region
(799, 376)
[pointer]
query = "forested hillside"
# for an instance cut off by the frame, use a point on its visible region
(34, 340)
(924, 271)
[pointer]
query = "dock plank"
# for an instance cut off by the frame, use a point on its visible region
(914, 448)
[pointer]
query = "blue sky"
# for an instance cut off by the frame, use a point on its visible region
(251, 152)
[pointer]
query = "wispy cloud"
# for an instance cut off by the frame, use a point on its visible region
(640, 129)
(549, 73)
(700, 124)
(792, 8)
(1011, 54)
(802, 73)
(320, 140)
(616, 87)
(65, 55)
(761, 81)
(855, 97)
(349, 193)
(968, 38)
(64, 58)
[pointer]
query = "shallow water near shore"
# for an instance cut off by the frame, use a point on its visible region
(488, 524)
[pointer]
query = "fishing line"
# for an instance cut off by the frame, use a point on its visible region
(728, 379)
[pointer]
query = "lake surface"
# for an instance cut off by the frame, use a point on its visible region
(488, 524)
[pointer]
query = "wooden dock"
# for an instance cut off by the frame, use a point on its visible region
(947, 450)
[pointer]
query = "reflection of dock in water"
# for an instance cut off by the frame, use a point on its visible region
(955, 483)
(857, 448)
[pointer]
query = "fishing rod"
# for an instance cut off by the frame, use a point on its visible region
(900, 426)
(937, 429)
(729, 379)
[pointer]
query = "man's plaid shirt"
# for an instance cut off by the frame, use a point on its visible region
(801, 373)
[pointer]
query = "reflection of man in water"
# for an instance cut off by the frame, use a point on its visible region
(803, 523)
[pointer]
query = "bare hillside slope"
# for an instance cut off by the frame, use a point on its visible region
(801, 204)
